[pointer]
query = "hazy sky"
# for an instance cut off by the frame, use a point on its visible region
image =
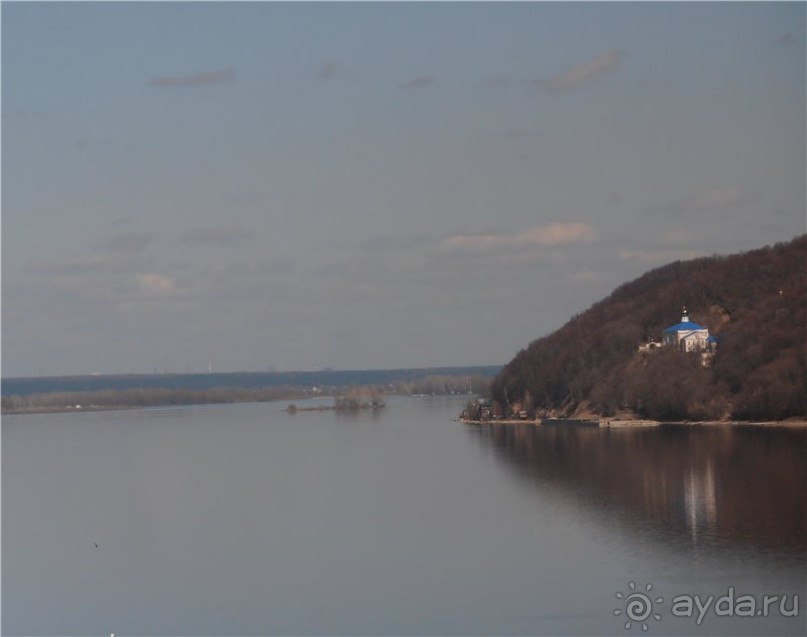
(374, 185)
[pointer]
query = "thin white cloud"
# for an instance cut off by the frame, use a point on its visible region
(155, 283)
(714, 199)
(327, 71)
(588, 276)
(653, 257)
(418, 82)
(558, 234)
(224, 235)
(519, 133)
(496, 81)
(80, 265)
(126, 242)
(203, 78)
(677, 237)
(554, 234)
(719, 197)
(577, 75)
(396, 243)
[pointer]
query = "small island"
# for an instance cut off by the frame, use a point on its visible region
(354, 399)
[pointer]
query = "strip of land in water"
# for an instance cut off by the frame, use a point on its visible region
(637, 423)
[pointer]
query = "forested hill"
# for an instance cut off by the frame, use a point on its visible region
(754, 303)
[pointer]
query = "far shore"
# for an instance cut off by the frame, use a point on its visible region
(346, 397)
(101, 408)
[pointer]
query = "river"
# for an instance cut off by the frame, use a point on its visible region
(246, 520)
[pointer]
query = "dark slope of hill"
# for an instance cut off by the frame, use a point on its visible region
(754, 303)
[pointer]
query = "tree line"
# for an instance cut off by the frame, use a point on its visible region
(144, 397)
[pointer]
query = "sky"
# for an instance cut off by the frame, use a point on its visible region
(291, 186)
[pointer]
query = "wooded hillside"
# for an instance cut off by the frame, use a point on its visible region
(754, 303)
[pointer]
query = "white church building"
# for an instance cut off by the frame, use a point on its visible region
(688, 336)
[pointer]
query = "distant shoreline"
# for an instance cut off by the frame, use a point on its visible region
(344, 387)
(139, 398)
(68, 410)
(103, 408)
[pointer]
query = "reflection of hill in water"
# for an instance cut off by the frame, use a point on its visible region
(738, 485)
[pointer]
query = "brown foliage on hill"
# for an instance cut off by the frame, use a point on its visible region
(754, 303)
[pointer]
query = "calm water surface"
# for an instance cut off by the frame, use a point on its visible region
(246, 520)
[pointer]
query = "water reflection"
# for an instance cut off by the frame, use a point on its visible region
(738, 486)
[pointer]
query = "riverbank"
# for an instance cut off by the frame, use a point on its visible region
(572, 422)
(606, 423)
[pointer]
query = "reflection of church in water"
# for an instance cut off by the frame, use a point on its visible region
(690, 483)
(700, 501)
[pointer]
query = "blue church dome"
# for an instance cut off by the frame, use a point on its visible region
(684, 326)
(687, 326)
